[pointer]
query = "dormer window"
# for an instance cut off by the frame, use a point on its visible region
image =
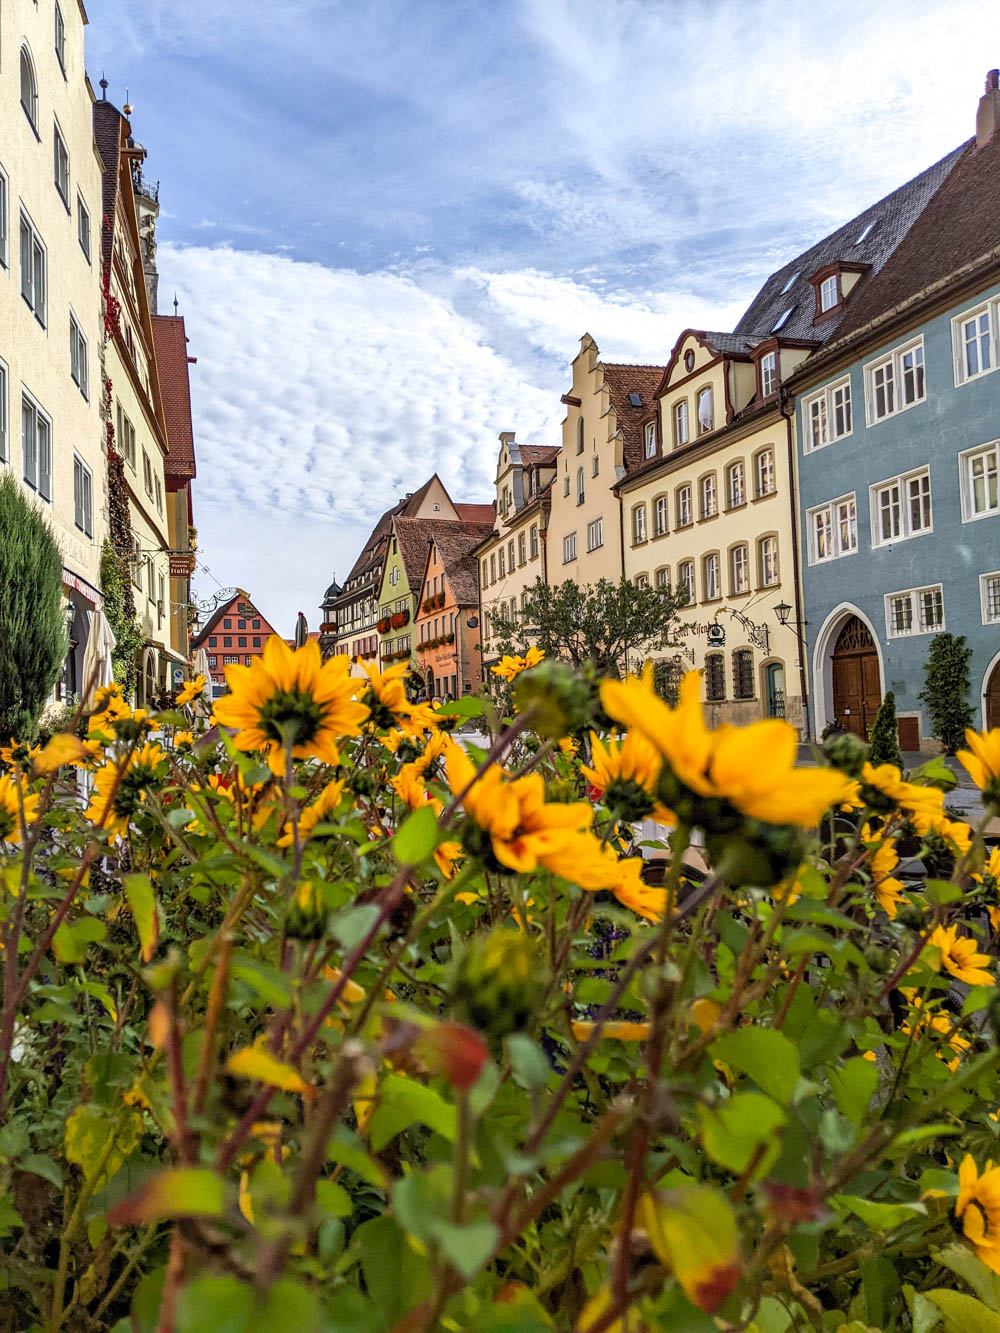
(705, 413)
(829, 292)
(768, 374)
(650, 439)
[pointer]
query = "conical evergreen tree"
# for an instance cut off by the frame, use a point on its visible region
(32, 630)
(885, 734)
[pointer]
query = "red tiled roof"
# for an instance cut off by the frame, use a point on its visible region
(475, 513)
(537, 453)
(621, 381)
(170, 342)
(455, 544)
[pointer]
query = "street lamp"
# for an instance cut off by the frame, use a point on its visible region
(783, 611)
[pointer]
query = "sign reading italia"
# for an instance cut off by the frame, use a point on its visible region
(180, 564)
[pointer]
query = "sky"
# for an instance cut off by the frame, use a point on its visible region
(387, 225)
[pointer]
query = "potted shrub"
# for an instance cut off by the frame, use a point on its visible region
(398, 619)
(382, 625)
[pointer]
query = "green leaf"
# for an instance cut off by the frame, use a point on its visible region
(39, 1164)
(69, 944)
(404, 1102)
(271, 985)
(470, 706)
(941, 891)
(924, 1314)
(142, 903)
(226, 1305)
(101, 993)
(396, 1278)
(964, 1314)
(531, 1068)
(98, 1141)
(468, 1247)
(351, 925)
(980, 997)
(853, 1086)
(767, 1057)
(417, 837)
(879, 1216)
(921, 1134)
(964, 1264)
(737, 1131)
(346, 1149)
(333, 1198)
(10, 1219)
(186, 1191)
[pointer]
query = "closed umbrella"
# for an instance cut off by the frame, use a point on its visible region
(98, 670)
(201, 667)
(301, 631)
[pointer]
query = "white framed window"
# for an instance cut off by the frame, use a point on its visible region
(136, 562)
(979, 468)
(566, 485)
(650, 439)
(29, 89)
(768, 374)
(34, 260)
(710, 576)
(739, 570)
(706, 414)
(764, 472)
(581, 490)
(989, 597)
(708, 496)
(642, 580)
(974, 335)
(147, 474)
(767, 561)
(660, 515)
(83, 226)
(829, 292)
(832, 530)
(522, 548)
(895, 382)
(4, 213)
(83, 496)
(595, 534)
(736, 487)
(493, 568)
(502, 553)
(510, 561)
(4, 452)
(685, 578)
(916, 611)
(639, 524)
(60, 164)
(569, 547)
(159, 495)
(126, 436)
(901, 508)
(663, 577)
(78, 367)
(681, 429)
(827, 415)
(60, 38)
(533, 540)
(36, 447)
(683, 494)
(595, 465)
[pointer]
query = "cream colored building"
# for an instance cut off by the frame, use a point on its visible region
(713, 513)
(51, 435)
(608, 432)
(516, 552)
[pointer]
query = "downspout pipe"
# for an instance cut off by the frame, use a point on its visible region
(786, 402)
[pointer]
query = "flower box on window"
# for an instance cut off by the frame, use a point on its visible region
(382, 625)
(449, 638)
(398, 619)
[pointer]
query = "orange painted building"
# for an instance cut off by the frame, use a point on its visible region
(236, 633)
(447, 620)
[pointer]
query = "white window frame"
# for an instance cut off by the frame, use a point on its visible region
(965, 461)
(760, 473)
(58, 159)
(522, 548)
(710, 481)
(829, 293)
(837, 548)
(712, 585)
(827, 400)
(902, 485)
(768, 374)
(581, 486)
(38, 306)
(147, 473)
(59, 38)
(569, 548)
(79, 358)
(662, 576)
(990, 310)
(703, 429)
(893, 363)
(650, 439)
(126, 431)
(4, 413)
(682, 425)
(30, 111)
(40, 481)
(661, 515)
(686, 578)
(683, 494)
(984, 597)
(137, 562)
(4, 219)
(916, 611)
(83, 496)
(533, 541)
(736, 484)
(595, 533)
(739, 566)
(768, 540)
(595, 465)
(638, 524)
(159, 494)
(83, 212)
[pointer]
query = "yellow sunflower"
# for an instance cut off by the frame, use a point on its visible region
(982, 760)
(978, 1205)
(887, 889)
(510, 665)
(291, 698)
(409, 787)
(191, 689)
(960, 957)
(11, 829)
(626, 773)
(120, 788)
(925, 803)
(325, 804)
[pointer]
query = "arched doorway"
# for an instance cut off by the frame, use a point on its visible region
(857, 689)
(991, 698)
(774, 684)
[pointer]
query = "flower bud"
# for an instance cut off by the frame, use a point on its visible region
(499, 982)
(760, 855)
(846, 752)
(306, 919)
(561, 702)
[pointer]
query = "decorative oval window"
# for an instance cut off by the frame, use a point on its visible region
(689, 360)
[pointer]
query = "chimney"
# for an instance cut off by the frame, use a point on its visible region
(988, 115)
(507, 437)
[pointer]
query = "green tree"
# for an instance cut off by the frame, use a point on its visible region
(884, 737)
(612, 626)
(946, 689)
(33, 640)
(119, 607)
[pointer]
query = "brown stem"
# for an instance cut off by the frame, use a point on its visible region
(216, 999)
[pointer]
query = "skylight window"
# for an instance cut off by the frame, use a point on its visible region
(782, 320)
(788, 282)
(635, 400)
(867, 231)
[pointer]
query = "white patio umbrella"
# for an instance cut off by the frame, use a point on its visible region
(97, 668)
(201, 667)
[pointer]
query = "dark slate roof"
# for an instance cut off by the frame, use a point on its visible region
(893, 217)
(455, 544)
(621, 381)
(959, 225)
(738, 343)
(107, 135)
(170, 342)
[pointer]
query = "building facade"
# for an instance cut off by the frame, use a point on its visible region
(233, 635)
(899, 462)
(51, 329)
(447, 628)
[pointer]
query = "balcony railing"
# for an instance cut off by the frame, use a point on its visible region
(141, 184)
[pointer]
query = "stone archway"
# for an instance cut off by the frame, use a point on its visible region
(991, 697)
(857, 685)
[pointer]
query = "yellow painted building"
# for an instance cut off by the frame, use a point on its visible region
(712, 513)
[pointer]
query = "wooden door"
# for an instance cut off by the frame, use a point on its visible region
(857, 689)
(993, 699)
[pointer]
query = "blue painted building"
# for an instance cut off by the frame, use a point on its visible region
(898, 458)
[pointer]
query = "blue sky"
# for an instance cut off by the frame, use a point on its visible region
(389, 224)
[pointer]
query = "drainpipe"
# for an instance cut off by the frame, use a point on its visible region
(796, 583)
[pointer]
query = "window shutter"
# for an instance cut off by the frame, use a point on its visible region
(77, 493)
(44, 460)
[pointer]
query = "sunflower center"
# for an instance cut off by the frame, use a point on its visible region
(291, 715)
(128, 797)
(628, 796)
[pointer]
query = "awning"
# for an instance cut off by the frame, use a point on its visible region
(80, 585)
